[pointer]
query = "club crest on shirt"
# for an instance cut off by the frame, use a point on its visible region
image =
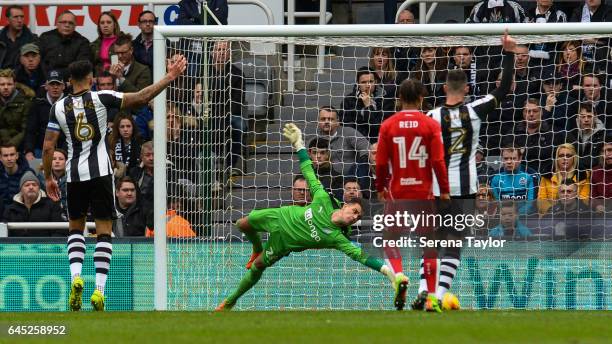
(83, 131)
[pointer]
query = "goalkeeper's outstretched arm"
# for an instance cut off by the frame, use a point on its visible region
(357, 254)
(294, 135)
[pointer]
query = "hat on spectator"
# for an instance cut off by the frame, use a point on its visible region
(54, 76)
(480, 149)
(28, 177)
(29, 48)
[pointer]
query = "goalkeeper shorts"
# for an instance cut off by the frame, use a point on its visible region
(268, 220)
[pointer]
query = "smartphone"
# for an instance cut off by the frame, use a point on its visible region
(114, 59)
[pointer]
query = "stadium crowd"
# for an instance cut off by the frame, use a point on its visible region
(552, 134)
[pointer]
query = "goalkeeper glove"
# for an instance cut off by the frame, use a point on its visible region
(294, 135)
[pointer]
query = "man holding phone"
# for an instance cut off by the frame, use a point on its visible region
(131, 75)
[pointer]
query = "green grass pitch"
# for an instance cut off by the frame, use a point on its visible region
(318, 327)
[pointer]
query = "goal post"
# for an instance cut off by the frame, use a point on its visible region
(199, 269)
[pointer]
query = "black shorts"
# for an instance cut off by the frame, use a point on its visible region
(95, 194)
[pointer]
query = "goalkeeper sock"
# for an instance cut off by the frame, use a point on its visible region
(255, 239)
(394, 259)
(102, 259)
(248, 281)
(448, 269)
(76, 252)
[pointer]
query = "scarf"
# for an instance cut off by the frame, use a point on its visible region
(586, 14)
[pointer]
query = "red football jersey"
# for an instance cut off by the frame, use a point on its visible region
(409, 148)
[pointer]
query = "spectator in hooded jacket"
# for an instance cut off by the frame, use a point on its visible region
(31, 204)
(601, 179)
(588, 137)
(14, 107)
(29, 72)
(63, 45)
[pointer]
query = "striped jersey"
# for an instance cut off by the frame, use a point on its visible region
(82, 118)
(460, 126)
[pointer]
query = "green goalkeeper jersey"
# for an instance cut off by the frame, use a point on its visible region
(305, 227)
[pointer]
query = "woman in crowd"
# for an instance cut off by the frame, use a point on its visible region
(125, 144)
(431, 70)
(58, 168)
(382, 63)
(565, 167)
(108, 30)
(570, 62)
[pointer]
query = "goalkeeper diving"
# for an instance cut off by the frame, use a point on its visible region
(322, 224)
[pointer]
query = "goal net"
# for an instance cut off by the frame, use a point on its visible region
(225, 156)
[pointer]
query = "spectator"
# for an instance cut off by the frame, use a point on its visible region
(143, 43)
(593, 11)
(557, 105)
(588, 137)
(130, 74)
(14, 36)
(462, 58)
(535, 137)
(184, 147)
(176, 225)
(318, 150)
(382, 63)
(568, 205)
(11, 171)
(300, 193)
(601, 179)
(63, 45)
(486, 204)
(133, 218)
(31, 204)
(351, 189)
(349, 149)
(108, 31)
(124, 142)
(431, 71)
(592, 91)
(509, 224)
(107, 82)
(513, 182)
(570, 63)
(483, 170)
(405, 58)
(525, 77)
(368, 183)
(226, 87)
(544, 12)
(142, 174)
(38, 117)
(58, 169)
(566, 167)
(29, 72)
(190, 12)
(367, 105)
(14, 107)
(497, 11)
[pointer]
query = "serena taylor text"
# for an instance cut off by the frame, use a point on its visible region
(423, 242)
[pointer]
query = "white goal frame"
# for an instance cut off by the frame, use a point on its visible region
(159, 55)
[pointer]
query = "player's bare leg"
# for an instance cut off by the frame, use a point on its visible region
(244, 226)
(102, 259)
(76, 255)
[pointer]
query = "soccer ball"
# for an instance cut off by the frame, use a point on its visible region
(450, 302)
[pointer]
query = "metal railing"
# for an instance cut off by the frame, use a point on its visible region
(4, 227)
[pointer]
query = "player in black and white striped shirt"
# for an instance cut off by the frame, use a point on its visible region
(460, 124)
(82, 117)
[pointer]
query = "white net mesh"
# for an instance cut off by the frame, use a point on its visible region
(227, 156)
